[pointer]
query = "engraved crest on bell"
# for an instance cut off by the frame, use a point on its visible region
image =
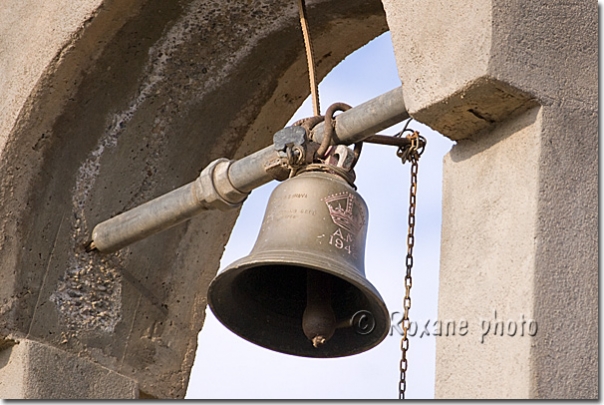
(345, 212)
(350, 218)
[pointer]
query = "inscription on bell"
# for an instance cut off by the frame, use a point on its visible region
(293, 213)
(287, 214)
(295, 195)
(339, 241)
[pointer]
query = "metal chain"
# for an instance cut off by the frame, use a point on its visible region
(412, 155)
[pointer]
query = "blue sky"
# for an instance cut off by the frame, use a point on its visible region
(226, 366)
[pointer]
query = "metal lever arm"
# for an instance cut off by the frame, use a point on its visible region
(211, 190)
(225, 184)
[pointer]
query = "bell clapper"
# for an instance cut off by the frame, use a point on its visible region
(319, 320)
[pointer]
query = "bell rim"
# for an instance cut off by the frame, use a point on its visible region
(276, 257)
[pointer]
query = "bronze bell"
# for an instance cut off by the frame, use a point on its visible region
(302, 290)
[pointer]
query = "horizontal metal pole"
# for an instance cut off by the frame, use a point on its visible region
(367, 119)
(147, 219)
(352, 126)
(388, 140)
(249, 172)
(238, 179)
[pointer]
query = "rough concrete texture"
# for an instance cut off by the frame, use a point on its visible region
(31, 36)
(131, 99)
(441, 47)
(445, 52)
(531, 53)
(494, 259)
(31, 370)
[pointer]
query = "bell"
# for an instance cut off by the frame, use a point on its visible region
(302, 290)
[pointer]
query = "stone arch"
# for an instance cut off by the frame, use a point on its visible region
(139, 99)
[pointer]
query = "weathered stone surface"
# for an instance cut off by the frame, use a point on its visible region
(32, 36)
(32, 370)
(476, 107)
(440, 47)
(488, 261)
(491, 59)
(126, 101)
(107, 104)
(516, 84)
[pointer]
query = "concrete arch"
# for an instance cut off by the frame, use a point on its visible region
(133, 100)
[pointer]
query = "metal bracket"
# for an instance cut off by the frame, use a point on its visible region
(294, 150)
(340, 156)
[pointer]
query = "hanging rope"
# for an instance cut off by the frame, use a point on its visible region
(310, 57)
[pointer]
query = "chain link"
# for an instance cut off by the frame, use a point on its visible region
(412, 155)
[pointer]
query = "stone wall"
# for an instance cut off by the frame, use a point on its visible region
(516, 84)
(107, 104)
